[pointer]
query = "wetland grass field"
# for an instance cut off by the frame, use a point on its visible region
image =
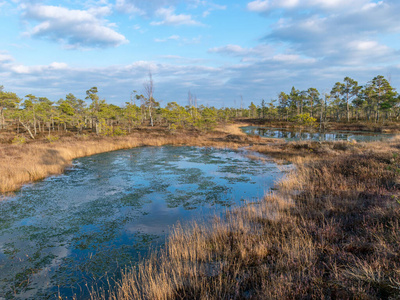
(328, 230)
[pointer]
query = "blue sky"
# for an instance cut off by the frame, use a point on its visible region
(217, 49)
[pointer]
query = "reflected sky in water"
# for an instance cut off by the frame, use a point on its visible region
(67, 231)
(297, 135)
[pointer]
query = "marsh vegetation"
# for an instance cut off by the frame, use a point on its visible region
(329, 229)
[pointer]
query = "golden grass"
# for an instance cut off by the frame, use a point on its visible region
(233, 128)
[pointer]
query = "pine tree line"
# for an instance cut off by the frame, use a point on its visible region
(347, 101)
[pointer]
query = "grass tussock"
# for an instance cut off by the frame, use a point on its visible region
(307, 150)
(331, 231)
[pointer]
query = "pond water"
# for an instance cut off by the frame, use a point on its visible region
(297, 135)
(62, 234)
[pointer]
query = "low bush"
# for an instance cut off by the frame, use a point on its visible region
(18, 140)
(52, 138)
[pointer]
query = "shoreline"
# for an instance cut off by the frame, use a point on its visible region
(26, 163)
(392, 127)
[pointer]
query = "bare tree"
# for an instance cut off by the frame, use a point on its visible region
(190, 103)
(149, 90)
(241, 106)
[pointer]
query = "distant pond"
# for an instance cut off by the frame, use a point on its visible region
(63, 233)
(297, 135)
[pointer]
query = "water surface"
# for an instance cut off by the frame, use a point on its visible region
(68, 231)
(297, 135)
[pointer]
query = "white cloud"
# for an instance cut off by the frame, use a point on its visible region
(100, 11)
(169, 17)
(58, 66)
(365, 45)
(143, 7)
(259, 5)
(367, 52)
(213, 7)
(182, 40)
(267, 5)
(289, 3)
(293, 58)
(372, 5)
(261, 79)
(165, 10)
(206, 13)
(73, 28)
(38, 69)
(217, 6)
(172, 37)
(336, 31)
(183, 60)
(128, 7)
(230, 49)
(260, 51)
(114, 82)
(5, 57)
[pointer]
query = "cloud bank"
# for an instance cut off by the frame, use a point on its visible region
(279, 44)
(73, 28)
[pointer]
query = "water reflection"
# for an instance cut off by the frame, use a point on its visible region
(69, 230)
(296, 135)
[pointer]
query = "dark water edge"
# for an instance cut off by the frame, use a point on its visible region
(70, 232)
(298, 135)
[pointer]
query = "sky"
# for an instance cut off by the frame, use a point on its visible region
(221, 51)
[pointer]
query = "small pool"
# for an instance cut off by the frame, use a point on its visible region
(298, 135)
(69, 232)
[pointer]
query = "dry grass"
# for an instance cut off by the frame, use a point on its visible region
(233, 128)
(331, 231)
(307, 150)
